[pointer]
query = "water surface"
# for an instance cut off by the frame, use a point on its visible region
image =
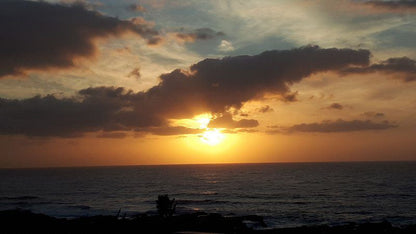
(286, 194)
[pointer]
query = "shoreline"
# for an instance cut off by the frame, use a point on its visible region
(25, 221)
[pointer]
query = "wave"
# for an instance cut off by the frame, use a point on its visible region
(205, 201)
(82, 207)
(20, 198)
(195, 193)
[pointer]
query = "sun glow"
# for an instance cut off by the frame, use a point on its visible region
(212, 137)
(209, 136)
(203, 120)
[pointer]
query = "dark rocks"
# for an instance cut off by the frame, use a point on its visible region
(21, 221)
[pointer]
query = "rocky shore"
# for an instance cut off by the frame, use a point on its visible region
(23, 221)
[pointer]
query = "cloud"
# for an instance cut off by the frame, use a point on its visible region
(265, 109)
(225, 46)
(159, 131)
(107, 109)
(136, 8)
(273, 126)
(340, 126)
(210, 86)
(171, 130)
(198, 34)
(289, 97)
(240, 130)
(226, 121)
(371, 114)
(393, 6)
(93, 109)
(229, 82)
(404, 68)
(114, 135)
(42, 36)
(335, 106)
(135, 73)
(369, 7)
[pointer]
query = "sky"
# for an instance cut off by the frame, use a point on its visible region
(130, 82)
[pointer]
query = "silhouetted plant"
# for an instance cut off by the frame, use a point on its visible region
(165, 206)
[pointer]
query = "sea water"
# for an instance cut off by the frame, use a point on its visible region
(285, 194)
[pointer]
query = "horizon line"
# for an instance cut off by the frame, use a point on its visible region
(206, 164)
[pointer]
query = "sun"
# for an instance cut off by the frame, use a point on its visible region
(209, 136)
(212, 137)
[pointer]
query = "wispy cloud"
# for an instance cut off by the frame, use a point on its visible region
(197, 34)
(335, 106)
(340, 126)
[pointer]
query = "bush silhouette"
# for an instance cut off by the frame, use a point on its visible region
(165, 206)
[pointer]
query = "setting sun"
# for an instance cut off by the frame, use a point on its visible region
(212, 137)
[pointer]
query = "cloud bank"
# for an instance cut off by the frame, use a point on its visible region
(209, 86)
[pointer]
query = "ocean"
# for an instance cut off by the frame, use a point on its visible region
(285, 194)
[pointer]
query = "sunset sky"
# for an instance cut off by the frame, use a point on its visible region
(128, 82)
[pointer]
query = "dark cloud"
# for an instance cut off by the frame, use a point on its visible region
(340, 126)
(171, 130)
(218, 84)
(198, 34)
(335, 106)
(107, 109)
(159, 131)
(226, 121)
(265, 109)
(398, 5)
(212, 85)
(93, 109)
(404, 68)
(114, 135)
(41, 36)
